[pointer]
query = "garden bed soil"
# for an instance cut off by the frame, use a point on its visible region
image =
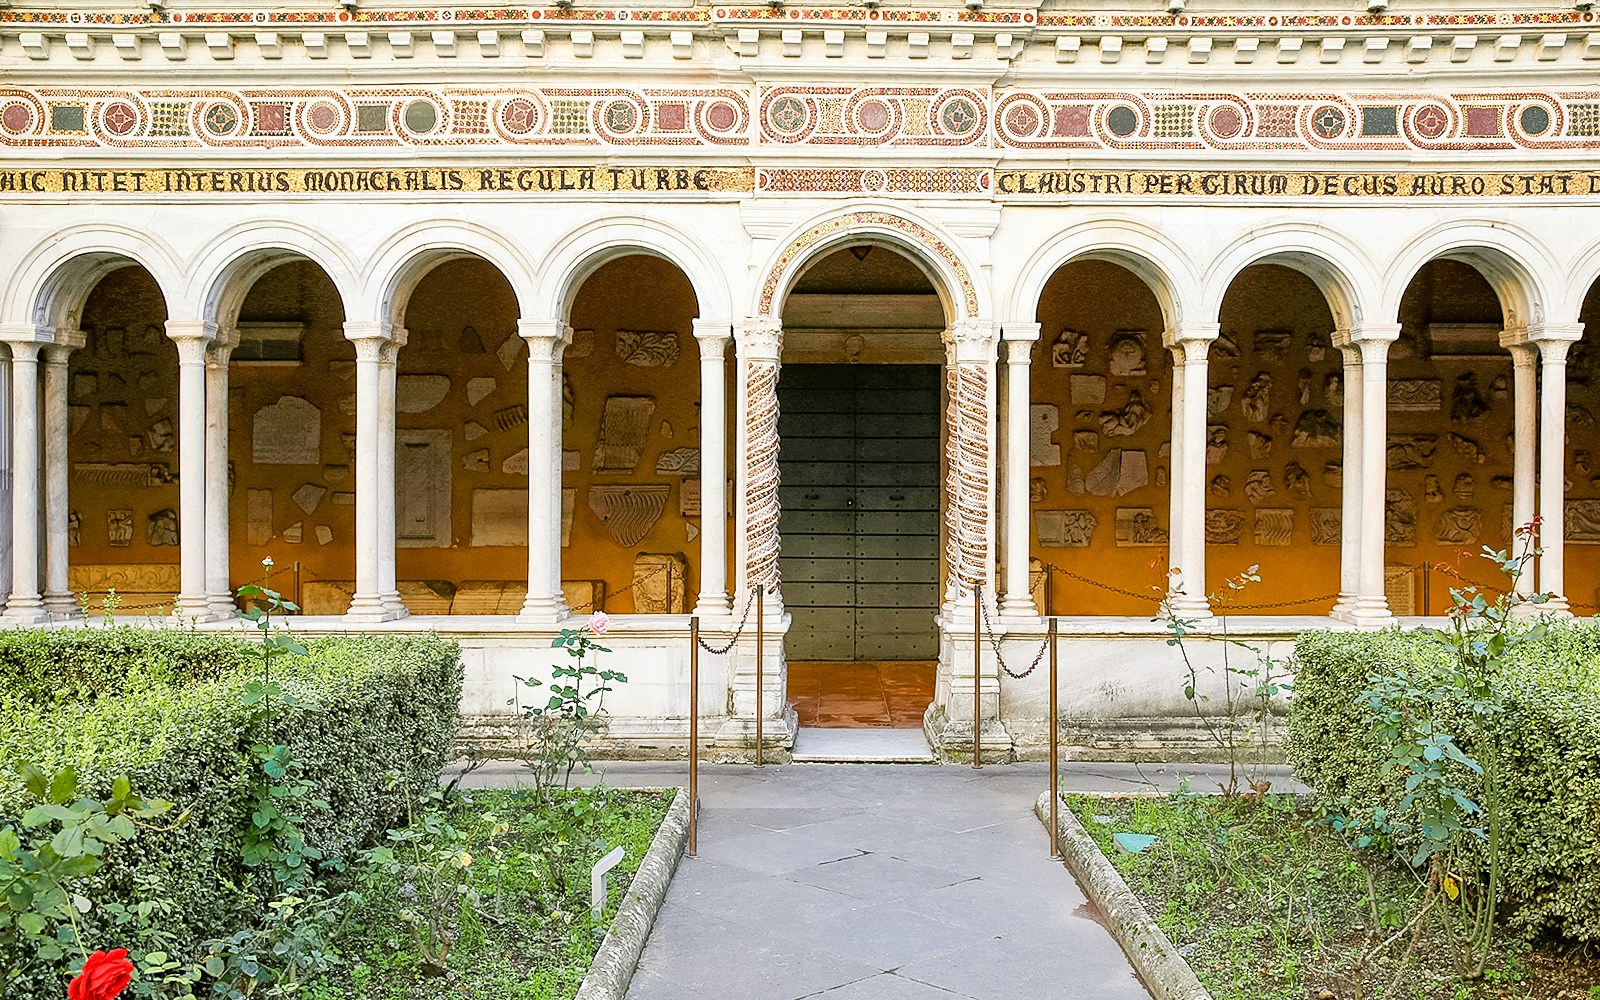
(1267, 903)
(531, 937)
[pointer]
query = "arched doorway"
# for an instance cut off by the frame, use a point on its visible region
(860, 403)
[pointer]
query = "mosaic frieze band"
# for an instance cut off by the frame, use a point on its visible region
(797, 115)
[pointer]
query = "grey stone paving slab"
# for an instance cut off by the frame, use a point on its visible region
(889, 986)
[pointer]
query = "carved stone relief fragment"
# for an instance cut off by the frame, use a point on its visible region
(1224, 526)
(515, 464)
(1399, 518)
(163, 527)
(1464, 486)
(1415, 394)
(258, 517)
(1297, 481)
(624, 430)
(1326, 525)
(1467, 401)
(1258, 485)
(660, 583)
(476, 461)
(678, 462)
(1468, 449)
(1218, 399)
(1216, 444)
(647, 348)
(1065, 528)
(478, 388)
(1088, 388)
(1333, 474)
(689, 498)
(74, 529)
(420, 393)
(1088, 441)
(1274, 526)
(1137, 526)
(1260, 445)
(1411, 451)
(1316, 429)
(1036, 489)
(628, 511)
(119, 528)
(1273, 344)
(1431, 492)
(1257, 400)
(308, 496)
(288, 432)
(1221, 486)
(1582, 522)
(1459, 525)
(1127, 353)
(1043, 421)
(472, 430)
(1070, 349)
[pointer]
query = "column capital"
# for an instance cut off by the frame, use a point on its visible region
(552, 330)
(369, 349)
(220, 351)
(1553, 352)
(58, 353)
(760, 338)
(26, 333)
(367, 329)
(1543, 333)
(1188, 333)
(1019, 352)
(1018, 332)
(972, 341)
(1367, 333)
(180, 330)
(70, 338)
(713, 336)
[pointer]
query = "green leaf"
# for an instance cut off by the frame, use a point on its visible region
(64, 786)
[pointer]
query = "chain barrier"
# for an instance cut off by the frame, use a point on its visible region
(1053, 568)
(749, 602)
(994, 642)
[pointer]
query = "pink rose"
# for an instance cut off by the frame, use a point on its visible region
(598, 623)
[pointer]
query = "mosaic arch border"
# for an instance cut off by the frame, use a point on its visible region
(1520, 267)
(1130, 243)
(585, 248)
(958, 278)
(224, 270)
(40, 281)
(405, 258)
(1342, 272)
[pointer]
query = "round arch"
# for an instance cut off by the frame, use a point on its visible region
(1518, 268)
(923, 244)
(1339, 270)
(1581, 277)
(407, 257)
(584, 250)
(53, 279)
(1162, 266)
(224, 272)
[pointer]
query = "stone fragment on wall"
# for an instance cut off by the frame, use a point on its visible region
(119, 528)
(1579, 416)
(135, 446)
(1399, 518)
(1216, 444)
(74, 529)
(420, 393)
(1137, 526)
(1036, 489)
(647, 348)
(1087, 388)
(1415, 394)
(515, 464)
(1127, 353)
(569, 507)
(479, 388)
(156, 579)
(1221, 486)
(581, 347)
(1297, 481)
(1128, 420)
(1467, 401)
(1043, 421)
(1326, 525)
(678, 462)
(468, 341)
(691, 531)
(258, 517)
(689, 498)
(112, 473)
(1102, 479)
(1304, 381)
(1317, 429)
(1465, 486)
(1134, 472)
(660, 583)
(324, 534)
(1272, 344)
(499, 516)
(308, 496)
(1333, 474)
(472, 430)
(1070, 349)
(584, 596)
(1411, 451)
(344, 499)
(571, 461)
(1260, 445)
(1224, 526)
(335, 474)
(1256, 402)
(294, 534)
(1274, 526)
(77, 416)
(423, 462)
(288, 432)
(163, 438)
(1073, 529)
(114, 417)
(624, 430)
(569, 400)
(1333, 390)
(1582, 522)
(1218, 399)
(511, 417)
(1086, 441)
(476, 461)
(1468, 449)
(509, 351)
(162, 528)
(628, 511)
(1258, 485)
(1459, 525)
(1430, 489)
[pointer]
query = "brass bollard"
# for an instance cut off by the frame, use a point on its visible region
(694, 729)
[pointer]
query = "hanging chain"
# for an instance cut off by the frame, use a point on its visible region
(749, 602)
(995, 643)
(1053, 568)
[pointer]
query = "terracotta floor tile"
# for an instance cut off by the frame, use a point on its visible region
(856, 695)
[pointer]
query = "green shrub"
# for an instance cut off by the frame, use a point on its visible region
(165, 708)
(1547, 742)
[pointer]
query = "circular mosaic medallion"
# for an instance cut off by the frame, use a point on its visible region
(119, 118)
(519, 116)
(221, 119)
(323, 117)
(1225, 121)
(873, 181)
(873, 116)
(1327, 121)
(787, 114)
(1122, 121)
(1023, 120)
(620, 116)
(1535, 119)
(721, 116)
(17, 117)
(959, 116)
(1430, 121)
(421, 116)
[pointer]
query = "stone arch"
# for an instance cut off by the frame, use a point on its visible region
(407, 257)
(225, 271)
(584, 250)
(1161, 265)
(1339, 270)
(935, 253)
(53, 280)
(1517, 267)
(1581, 277)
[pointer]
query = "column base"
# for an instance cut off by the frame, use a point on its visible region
(369, 608)
(1365, 612)
(195, 607)
(221, 604)
(26, 609)
(738, 734)
(1018, 607)
(394, 606)
(59, 604)
(1343, 605)
(713, 606)
(1192, 608)
(544, 610)
(951, 738)
(1557, 605)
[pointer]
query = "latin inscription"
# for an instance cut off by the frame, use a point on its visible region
(1169, 184)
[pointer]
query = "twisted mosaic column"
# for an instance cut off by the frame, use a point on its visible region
(969, 381)
(760, 345)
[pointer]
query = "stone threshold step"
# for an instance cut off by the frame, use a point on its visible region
(861, 746)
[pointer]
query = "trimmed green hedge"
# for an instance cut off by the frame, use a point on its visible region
(165, 708)
(1548, 742)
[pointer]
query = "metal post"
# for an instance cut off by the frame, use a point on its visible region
(694, 729)
(298, 603)
(761, 645)
(977, 656)
(1427, 605)
(1055, 740)
(1050, 590)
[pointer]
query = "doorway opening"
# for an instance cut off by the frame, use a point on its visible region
(860, 424)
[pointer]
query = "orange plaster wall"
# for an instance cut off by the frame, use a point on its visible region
(1099, 299)
(637, 293)
(1583, 452)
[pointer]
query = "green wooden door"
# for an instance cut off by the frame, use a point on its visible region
(860, 524)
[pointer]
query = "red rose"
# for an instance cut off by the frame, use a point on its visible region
(105, 975)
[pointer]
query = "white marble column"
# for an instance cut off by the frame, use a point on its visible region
(1186, 540)
(970, 373)
(219, 578)
(192, 338)
(1371, 605)
(544, 603)
(388, 367)
(1553, 342)
(760, 348)
(6, 424)
(1350, 516)
(1524, 442)
(1020, 339)
(26, 604)
(369, 341)
(58, 597)
(713, 337)
(558, 469)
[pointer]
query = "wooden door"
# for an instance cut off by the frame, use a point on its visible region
(860, 523)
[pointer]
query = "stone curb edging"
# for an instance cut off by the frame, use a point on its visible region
(614, 963)
(1165, 973)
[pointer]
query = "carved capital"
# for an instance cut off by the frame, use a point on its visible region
(1017, 332)
(970, 341)
(760, 338)
(367, 329)
(713, 336)
(57, 354)
(192, 337)
(546, 339)
(1367, 333)
(1553, 353)
(1543, 333)
(369, 350)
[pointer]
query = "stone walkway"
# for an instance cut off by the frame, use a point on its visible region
(880, 882)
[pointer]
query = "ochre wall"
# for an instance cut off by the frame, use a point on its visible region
(1100, 299)
(1583, 453)
(640, 294)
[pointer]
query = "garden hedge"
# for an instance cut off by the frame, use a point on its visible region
(165, 707)
(1548, 741)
